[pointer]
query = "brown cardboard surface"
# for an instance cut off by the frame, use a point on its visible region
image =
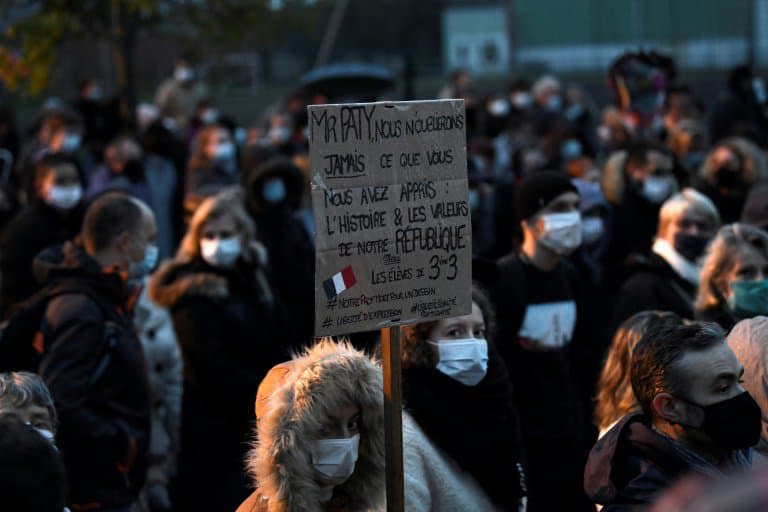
(390, 201)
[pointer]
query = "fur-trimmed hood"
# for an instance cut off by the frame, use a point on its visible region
(291, 405)
(175, 279)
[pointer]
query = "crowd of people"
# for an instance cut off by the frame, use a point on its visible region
(157, 287)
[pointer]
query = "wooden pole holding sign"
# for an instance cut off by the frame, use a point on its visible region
(393, 418)
(393, 233)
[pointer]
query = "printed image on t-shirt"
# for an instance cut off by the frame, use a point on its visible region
(548, 326)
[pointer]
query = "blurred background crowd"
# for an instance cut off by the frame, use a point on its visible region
(618, 184)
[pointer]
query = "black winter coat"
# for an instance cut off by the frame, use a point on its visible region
(654, 285)
(35, 228)
(632, 465)
(93, 364)
(231, 330)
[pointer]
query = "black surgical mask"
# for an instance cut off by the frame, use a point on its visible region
(725, 177)
(732, 424)
(690, 247)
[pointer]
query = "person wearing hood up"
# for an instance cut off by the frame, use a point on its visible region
(231, 329)
(749, 341)
(319, 436)
(696, 418)
(669, 278)
(52, 218)
(734, 276)
(273, 195)
(453, 365)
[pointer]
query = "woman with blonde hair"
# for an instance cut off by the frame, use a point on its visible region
(734, 276)
(668, 278)
(615, 398)
(231, 330)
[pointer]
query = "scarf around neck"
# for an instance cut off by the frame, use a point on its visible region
(477, 426)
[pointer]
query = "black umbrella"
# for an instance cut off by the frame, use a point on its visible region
(362, 81)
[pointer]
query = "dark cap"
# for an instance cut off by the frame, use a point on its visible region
(538, 189)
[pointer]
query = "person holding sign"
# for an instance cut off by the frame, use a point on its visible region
(461, 434)
(320, 434)
(544, 341)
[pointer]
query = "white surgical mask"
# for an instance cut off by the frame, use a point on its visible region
(221, 252)
(592, 229)
(498, 107)
(209, 116)
(562, 232)
(521, 100)
(464, 360)
(139, 269)
(71, 142)
(225, 151)
(64, 197)
(474, 199)
(554, 103)
(274, 190)
(334, 459)
(279, 134)
(183, 74)
(47, 434)
(604, 134)
(657, 189)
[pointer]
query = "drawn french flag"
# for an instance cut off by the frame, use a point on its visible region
(339, 282)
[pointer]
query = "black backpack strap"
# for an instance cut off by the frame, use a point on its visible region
(111, 332)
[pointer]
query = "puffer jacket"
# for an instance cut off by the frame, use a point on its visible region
(161, 351)
(290, 407)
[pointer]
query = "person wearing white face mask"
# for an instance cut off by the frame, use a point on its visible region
(319, 434)
(178, 95)
(547, 340)
(213, 162)
(636, 182)
(92, 361)
(231, 328)
(461, 445)
(53, 217)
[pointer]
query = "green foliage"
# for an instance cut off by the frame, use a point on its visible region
(29, 49)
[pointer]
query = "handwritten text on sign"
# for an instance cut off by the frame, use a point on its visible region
(393, 233)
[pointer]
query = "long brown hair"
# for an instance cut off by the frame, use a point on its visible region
(614, 396)
(416, 351)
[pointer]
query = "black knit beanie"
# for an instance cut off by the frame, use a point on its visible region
(538, 189)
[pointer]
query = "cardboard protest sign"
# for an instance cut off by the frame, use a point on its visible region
(390, 198)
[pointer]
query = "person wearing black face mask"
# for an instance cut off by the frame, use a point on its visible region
(696, 418)
(668, 278)
(728, 173)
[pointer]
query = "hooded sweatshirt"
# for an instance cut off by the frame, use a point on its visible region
(749, 341)
(291, 405)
